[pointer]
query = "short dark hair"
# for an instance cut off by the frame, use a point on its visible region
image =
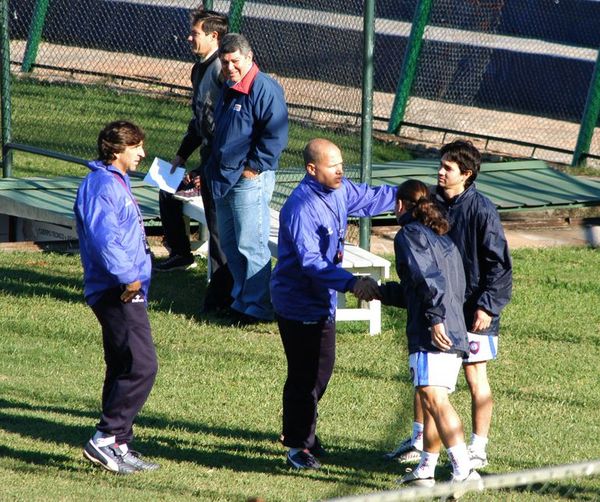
(234, 42)
(211, 21)
(464, 153)
(117, 136)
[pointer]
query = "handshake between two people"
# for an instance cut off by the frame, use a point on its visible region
(366, 289)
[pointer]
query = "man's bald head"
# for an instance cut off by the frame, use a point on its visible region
(323, 161)
(316, 148)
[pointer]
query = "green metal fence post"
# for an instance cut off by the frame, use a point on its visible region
(208, 4)
(35, 35)
(591, 113)
(5, 89)
(366, 141)
(409, 65)
(235, 15)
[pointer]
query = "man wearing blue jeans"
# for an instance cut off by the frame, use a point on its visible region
(251, 131)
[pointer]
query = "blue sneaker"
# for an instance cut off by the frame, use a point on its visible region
(317, 449)
(303, 460)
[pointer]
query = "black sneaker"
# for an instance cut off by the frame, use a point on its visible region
(134, 459)
(176, 262)
(110, 457)
(241, 319)
(317, 449)
(302, 460)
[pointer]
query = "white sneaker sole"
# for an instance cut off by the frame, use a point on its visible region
(109, 465)
(426, 482)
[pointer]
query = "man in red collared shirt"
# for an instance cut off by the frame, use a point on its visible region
(251, 131)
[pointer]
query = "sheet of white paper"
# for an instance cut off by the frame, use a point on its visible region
(159, 175)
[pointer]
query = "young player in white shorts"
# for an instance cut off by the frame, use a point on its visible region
(432, 289)
(476, 230)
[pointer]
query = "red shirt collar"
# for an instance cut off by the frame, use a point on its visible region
(245, 84)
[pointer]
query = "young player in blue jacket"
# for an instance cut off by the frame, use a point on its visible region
(432, 289)
(476, 230)
(305, 282)
(116, 275)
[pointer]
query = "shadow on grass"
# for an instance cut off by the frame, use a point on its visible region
(19, 281)
(241, 450)
(179, 292)
(37, 458)
(168, 292)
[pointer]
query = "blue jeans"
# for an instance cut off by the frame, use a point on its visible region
(244, 220)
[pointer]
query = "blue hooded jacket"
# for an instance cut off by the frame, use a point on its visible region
(111, 234)
(432, 286)
(312, 227)
(476, 230)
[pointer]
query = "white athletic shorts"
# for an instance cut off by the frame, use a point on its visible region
(482, 348)
(434, 368)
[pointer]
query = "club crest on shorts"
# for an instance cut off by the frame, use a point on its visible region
(473, 347)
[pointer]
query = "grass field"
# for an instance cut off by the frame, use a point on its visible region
(213, 418)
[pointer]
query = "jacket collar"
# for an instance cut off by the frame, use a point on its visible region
(406, 218)
(458, 199)
(209, 59)
(245, 85)
(96, 165)
(315, 186)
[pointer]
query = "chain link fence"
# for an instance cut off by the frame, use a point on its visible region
(516, 71)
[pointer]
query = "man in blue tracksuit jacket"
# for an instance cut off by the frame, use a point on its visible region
(476, 230)
(312, 228)
(251, 131)
(116, 275)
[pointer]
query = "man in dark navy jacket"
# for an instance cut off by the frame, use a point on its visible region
(206, 29)
(477, 232)
(251, 131)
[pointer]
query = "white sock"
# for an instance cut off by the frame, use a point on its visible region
(426, 467)
(417, 436)
(459, 458)
(101, 439)
(124, 448)
(478, 443)
(293, 451)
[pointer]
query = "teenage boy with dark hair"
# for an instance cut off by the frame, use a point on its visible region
(116, 276)
(476, 230)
